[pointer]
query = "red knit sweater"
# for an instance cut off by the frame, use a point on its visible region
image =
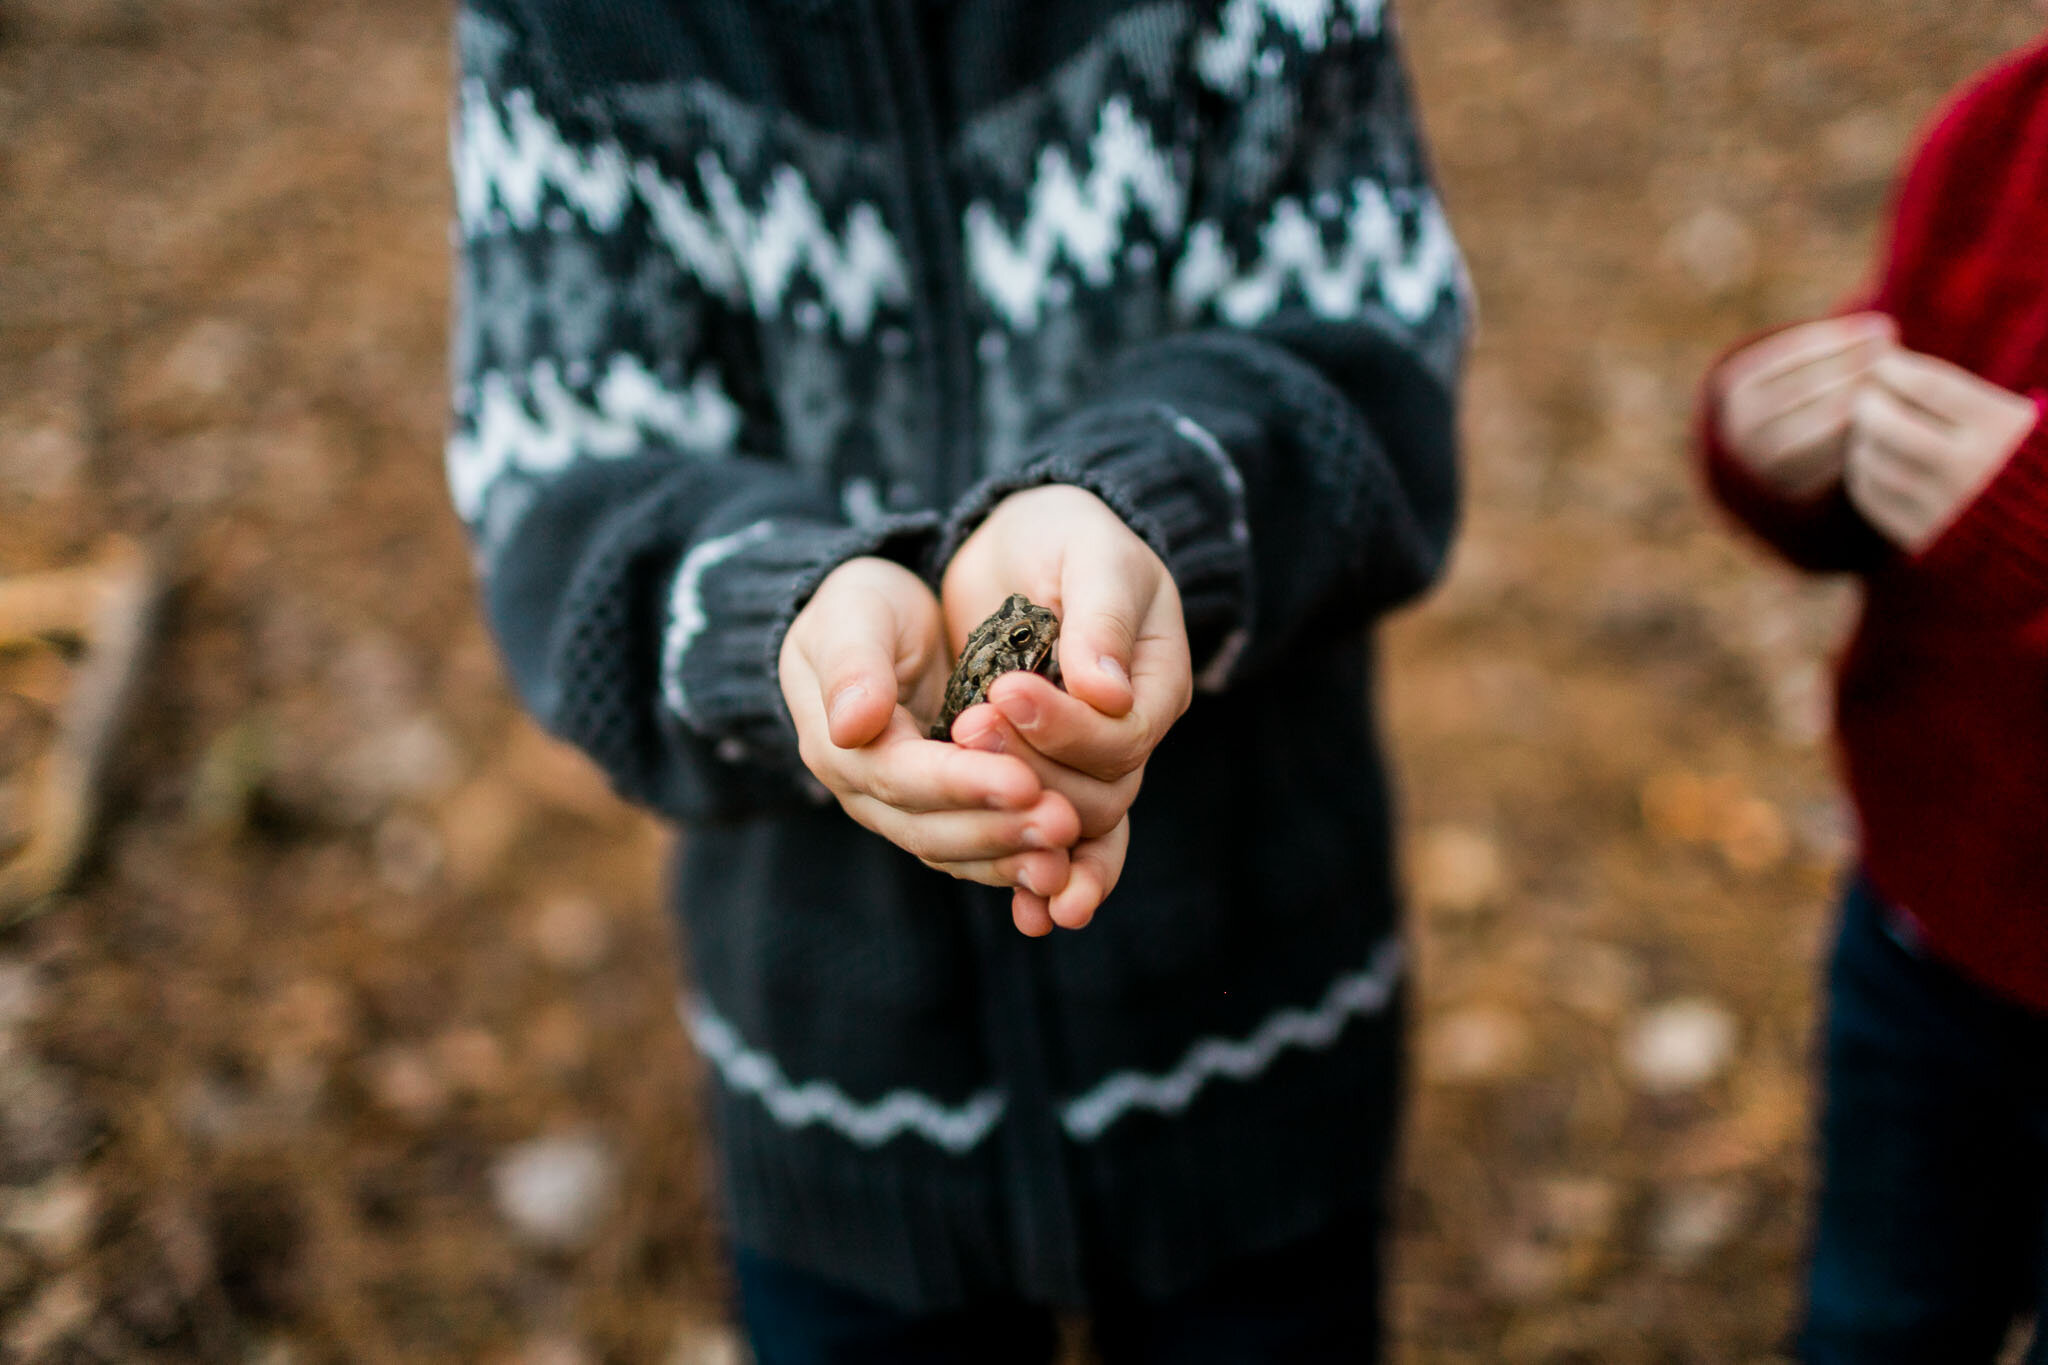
(1942, 701)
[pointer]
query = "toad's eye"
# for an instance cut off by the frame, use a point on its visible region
(1020, 636)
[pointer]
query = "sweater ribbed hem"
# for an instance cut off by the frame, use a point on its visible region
(1311, 1141)
(1170, 481)
(1314, 1140)
(920, 1231)
(731, 602)
(1996, 552)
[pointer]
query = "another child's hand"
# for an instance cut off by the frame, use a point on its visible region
(1928, 436)
(1123, 653)
(1787, 400)
(866, 643)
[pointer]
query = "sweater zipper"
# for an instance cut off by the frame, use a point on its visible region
(935, 256)
(1045, 1237)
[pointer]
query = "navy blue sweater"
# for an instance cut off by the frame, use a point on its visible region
(748, 289)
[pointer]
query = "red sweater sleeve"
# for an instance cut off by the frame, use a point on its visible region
(1949, 193)
(1973, 171)
(1995, 555)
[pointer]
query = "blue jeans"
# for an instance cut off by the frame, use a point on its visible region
(1934, 1159)
(1316, 1302)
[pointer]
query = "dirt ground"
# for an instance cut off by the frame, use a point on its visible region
(355, 1040)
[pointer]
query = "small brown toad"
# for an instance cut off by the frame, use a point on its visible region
(1020, 635)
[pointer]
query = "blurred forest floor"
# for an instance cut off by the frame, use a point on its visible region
(356, 1040)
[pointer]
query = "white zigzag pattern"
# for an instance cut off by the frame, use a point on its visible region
(691, 237)
(1226, 58)
(955, 1129)
(1409, 279)
(630, 404)
(513, 161)
(1082, 217)
(1354, 994)
(789, 234)
(686, 616)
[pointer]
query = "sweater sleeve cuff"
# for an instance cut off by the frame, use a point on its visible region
(1174, 484)
(1997, 550)
(730, 603)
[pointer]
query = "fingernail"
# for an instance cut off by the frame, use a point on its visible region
(1113, 669)
(845, 697)
(1022, 711)
(1034, 837)
(1028, 876)
(989, 741)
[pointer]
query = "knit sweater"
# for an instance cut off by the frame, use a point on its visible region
(750, 287)
(1942, 712)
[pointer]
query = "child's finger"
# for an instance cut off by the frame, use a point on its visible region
(966, 836)
(1885, 492)
(1802, 446)
(1069, 731)
(1108, 586)
(910, 773)
(1899, 429)
(853, 655)
(1097, 864)
(1816, 351)
(1944, 394)
(1099, 803)
(1815, 418)
(967, 842)
(1040, 873)
(1030, 913)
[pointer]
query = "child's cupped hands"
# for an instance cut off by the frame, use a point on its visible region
(1839, 403)
(864, 654)
(1123, 654)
